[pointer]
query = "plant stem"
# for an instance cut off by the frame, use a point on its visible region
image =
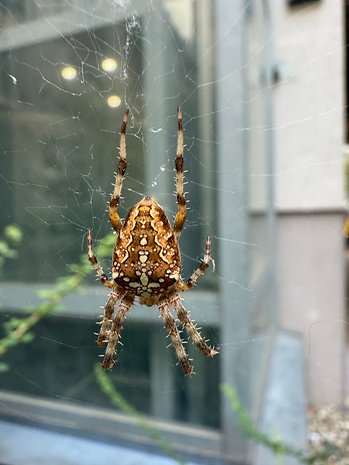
(117, 399)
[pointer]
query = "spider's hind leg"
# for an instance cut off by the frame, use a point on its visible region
(115, 330)
(177, 342)
(114, 296)
(191, 329)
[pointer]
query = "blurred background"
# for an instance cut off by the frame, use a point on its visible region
(263, 87)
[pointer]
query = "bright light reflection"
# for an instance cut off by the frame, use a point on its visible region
(68, 73)
(114, 101)
(109, 64)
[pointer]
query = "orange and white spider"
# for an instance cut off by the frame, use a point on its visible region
(147, 263)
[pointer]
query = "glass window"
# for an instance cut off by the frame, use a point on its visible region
(68, 71)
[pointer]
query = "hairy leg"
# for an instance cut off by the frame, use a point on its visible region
(114, 296)
(182, 211)
(177, 343)
(97, 267)
(200, 270)
(119, 178)
(191, 329)
(116, 327)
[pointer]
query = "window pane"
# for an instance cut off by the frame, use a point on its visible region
(65, 98)
(68, 72)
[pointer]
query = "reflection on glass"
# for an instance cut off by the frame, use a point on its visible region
(114, 101)
(69, 73)
(109, 64)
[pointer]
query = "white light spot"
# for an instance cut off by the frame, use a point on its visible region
(109, 64)
(14, 79)
(68, 73)
(143, 241)
(143, 258)
(114, 101)
(134, 285)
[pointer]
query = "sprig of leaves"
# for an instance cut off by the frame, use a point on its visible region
(18, 328)
(9, 242)
(275, 445)
(118, 401)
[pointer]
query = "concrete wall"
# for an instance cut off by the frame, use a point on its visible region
(309, 105)
(309, 122)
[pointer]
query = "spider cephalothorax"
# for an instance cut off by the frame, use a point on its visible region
(147, 264)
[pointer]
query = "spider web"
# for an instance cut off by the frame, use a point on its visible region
(69, 70)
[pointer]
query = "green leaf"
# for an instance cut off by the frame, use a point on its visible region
(4, 367)
(13, 233)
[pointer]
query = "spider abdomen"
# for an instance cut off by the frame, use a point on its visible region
(146, 257)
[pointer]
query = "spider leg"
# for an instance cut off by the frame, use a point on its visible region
(177, 342)
(181, 212)
(97, 267)
(200, 270)
(114, 335)
(119, 178)
(108, 312)
(191, 329)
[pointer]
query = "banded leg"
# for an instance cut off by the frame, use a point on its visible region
(192, 330)
(200, 270)
(182, 211)
(97, 267)
(177, 342)
(114, 335)
(119, 178)
(107, 317)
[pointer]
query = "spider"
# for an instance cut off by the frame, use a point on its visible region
(146, 264)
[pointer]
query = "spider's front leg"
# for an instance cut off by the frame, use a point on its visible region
(119, 178)
(114, 334)
(182, 211)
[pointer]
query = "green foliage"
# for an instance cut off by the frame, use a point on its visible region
(275, 445)
(10, 240)
(121, 403)
(17, 330)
